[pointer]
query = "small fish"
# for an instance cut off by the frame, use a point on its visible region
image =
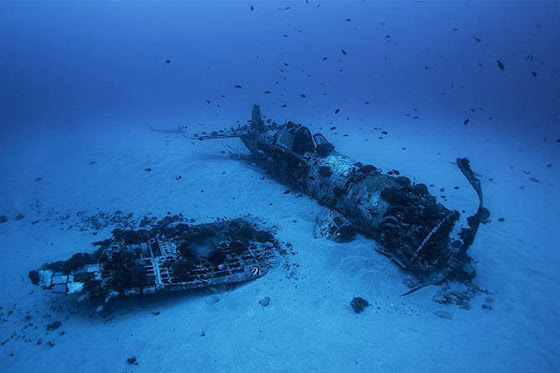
(348, 19)
(344, 52)
(529, 58)
(284, 105)
(303, 96)
(534, 73)
(148, 169)
(267, 92)
(324, 58)
(251, 7)
(500, 64)
(466, 121)
(208, 101)
(238, 86)
(285, 64)
(337, 111)
(255, 271)
(167, 61)
(367, 102)
(477, 39)
(223, 96)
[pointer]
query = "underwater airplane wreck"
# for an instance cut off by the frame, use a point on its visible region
(411, 227)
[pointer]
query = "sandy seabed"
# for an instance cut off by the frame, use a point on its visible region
(309, 325)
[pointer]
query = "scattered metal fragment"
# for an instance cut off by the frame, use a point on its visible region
(359, 304)
(334, 226)
(264, 301)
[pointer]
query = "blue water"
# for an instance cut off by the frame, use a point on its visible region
(81, 82)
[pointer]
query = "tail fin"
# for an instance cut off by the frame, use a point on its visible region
(256, 119)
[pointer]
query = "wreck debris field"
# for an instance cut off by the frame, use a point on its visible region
(102, 175)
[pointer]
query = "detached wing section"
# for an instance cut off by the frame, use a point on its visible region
(177, 258)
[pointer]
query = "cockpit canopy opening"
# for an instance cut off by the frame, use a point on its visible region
(303, 141)
(299, 139)
(322, 145)
(296, 138)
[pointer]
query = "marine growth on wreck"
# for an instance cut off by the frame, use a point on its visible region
(411, 227)
(165, 258)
